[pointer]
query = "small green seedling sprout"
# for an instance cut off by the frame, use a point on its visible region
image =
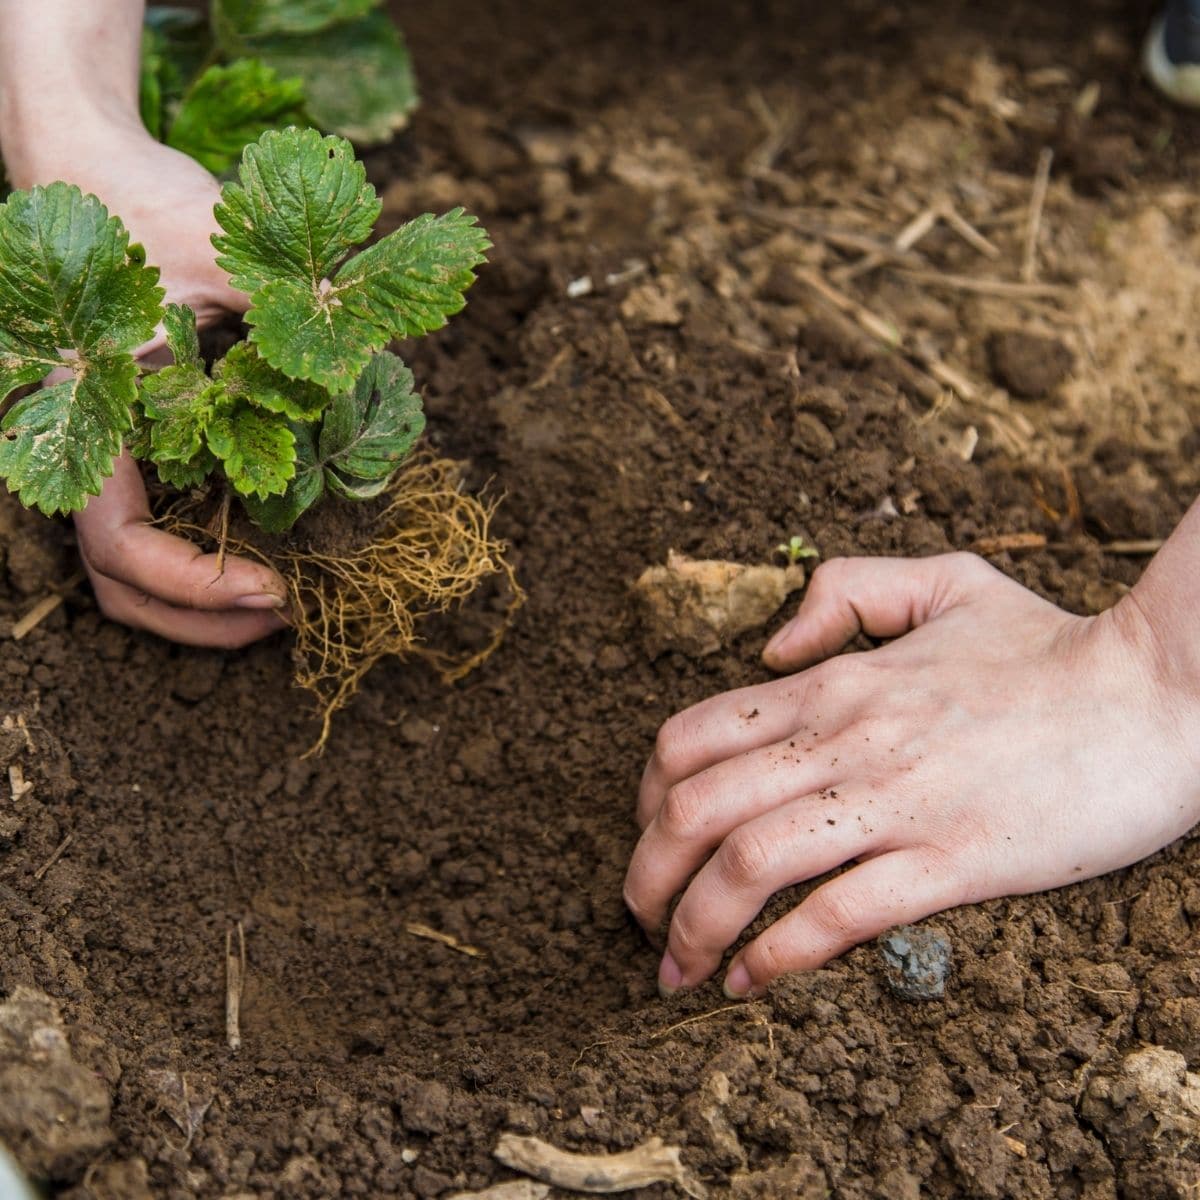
(795, 548)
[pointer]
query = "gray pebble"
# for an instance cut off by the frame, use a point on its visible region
(916, 961)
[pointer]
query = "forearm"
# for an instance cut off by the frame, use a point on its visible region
(66, 68)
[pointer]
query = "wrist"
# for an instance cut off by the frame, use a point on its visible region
(1160, 643)
(59, 141)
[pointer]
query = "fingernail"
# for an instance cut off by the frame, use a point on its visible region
(777, 643)
(670, 977)
(737, 982)
(261, 600)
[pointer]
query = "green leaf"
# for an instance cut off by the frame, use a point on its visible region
(179, 324)
(182, 403)
(227, 108)
(190, 474)
(369, 431)
(300, 204)
(358, 78)
(256, 448)
(245, 376)
(308, 336)
(276, 514)
(57, 445)
(69, 281)
(175, 44)
(414, 279)
(137, 440)
(240, 19)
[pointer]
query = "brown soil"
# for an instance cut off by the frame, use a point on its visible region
(699, 162)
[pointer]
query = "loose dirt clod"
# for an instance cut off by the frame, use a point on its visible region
(54, 1113)
(1149, 1105)
(696, 606)
(916, 962)
(650, 1163)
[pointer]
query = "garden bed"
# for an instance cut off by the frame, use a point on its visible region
(715, 172)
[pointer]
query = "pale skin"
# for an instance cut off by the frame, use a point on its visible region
(997, 746)
(69, 111)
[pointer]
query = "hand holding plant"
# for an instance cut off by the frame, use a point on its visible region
(141, 575)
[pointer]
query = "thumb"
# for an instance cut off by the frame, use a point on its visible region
(117, 541)
(881, 597)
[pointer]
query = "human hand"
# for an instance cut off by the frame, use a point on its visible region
(142, 576)
(1001, 747)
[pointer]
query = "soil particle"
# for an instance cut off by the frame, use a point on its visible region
(1028, 364)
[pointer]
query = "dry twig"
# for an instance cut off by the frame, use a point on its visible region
(989, 287)
(514, 1189)
(1008, 542)
(446, 939)
(59, 851)
(235, 981)
(1037, 202)
(44, 607)
(648, 1164)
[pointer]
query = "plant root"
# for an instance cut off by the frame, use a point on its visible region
(430, 547)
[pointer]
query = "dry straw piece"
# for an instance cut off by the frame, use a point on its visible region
(431, 546)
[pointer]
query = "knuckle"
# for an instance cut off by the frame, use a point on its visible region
(969, 567)
(829, 575)
(743, 859)
(102, 556)
(687, 940)
(766, 959)
(838, 912)
(633, 902)
(682, 814)
(670, 747)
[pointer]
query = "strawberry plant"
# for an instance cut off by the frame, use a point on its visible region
(309, 403)
(210, 87)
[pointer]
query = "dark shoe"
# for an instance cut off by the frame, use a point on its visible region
(1171, 56)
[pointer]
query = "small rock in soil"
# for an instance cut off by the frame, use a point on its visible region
(696, 606)
(1028, 364)
(824, 402)
(916, 962)
(416, 731)
(54, 1113)
(1150, 1106)
(811, 436)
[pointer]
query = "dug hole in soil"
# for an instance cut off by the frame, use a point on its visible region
(701, 166)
